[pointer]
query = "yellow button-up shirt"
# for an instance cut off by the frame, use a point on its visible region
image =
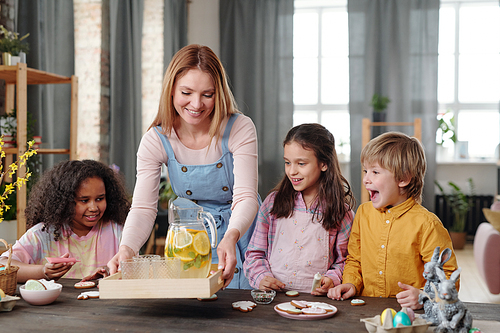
(392, 245)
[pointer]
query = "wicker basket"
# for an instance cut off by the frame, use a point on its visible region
(8, 277)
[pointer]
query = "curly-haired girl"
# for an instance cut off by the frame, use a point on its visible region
(77, 209)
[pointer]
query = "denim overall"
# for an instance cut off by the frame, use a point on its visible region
(211, 186)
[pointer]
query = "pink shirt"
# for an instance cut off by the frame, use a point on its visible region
(92, 250)
(150, 157)
(259, 260)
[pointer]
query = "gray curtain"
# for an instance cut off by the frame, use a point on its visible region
(51, 41)
(125, 85)
(174, 27)
(393, 51)
(256, 50)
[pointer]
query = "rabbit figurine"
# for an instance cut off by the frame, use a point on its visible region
(452, 313)
(427, 297)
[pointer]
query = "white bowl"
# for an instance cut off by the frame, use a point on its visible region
(41, 297)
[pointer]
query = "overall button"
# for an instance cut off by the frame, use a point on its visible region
(219, 165)
(236, 270)
(184, 169)
(225, 188)
(188, 192)
(230, 202)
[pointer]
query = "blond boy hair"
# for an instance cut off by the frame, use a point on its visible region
(403, 156)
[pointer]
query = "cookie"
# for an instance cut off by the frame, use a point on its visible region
(314, 311)
(288, 308)
(299, 304)
(292, 293)
(211, 298)
(325, 306)
(82, 297)
(357, 302)
(244, 306)
(84, 284)
(88, 294)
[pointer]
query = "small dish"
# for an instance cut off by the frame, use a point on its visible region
(41, 297)
(263, 296)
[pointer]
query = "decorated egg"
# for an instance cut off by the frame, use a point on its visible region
(401, 318)
(388, 314)
(409, 312)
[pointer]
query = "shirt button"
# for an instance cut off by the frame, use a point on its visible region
(184, 169)
(225, 188)
(380, 272)
(219, 165)
(383, 246)
(387, 221)
(188, 192)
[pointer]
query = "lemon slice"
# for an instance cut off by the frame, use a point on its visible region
(34, 285)
(182, 239)
(201, 243)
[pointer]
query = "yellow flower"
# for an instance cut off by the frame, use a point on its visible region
(11, 170)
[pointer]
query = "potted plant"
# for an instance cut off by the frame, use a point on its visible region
(379, 104)
(12, 45)
(166, 193)
(460, 205)
(446, 136)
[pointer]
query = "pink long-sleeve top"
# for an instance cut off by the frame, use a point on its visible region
(150, 157)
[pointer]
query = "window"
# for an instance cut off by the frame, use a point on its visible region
(469, 72)
(321, 67)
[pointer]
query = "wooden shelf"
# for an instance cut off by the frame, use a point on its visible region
(16, 80)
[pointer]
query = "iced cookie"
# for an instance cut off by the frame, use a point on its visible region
(299, 304)
(292, 293)
(84, 285)
(288, 308)
(357, 302)
(244, 306)
(314, 311)
(211, 298)
(327, 307)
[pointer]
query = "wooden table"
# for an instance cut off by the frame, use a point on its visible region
(190, 315)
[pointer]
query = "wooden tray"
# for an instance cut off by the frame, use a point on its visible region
(113, 287)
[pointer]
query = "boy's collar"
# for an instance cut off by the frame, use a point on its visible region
(399, 209)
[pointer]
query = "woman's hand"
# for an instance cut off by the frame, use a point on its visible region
(270, 282)
(124, 252)
(56, 271)
(226, 251)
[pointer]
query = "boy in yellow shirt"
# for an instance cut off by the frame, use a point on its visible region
(392, 236)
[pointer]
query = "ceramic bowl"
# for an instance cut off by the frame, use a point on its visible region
(263, 296)
(41, 297)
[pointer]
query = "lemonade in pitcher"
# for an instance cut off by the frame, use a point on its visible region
(187, 238)
(193, 248)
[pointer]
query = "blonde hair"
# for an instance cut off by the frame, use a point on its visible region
(403, 156)
(203, 58)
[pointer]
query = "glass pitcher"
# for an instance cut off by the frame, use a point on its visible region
(187, 237)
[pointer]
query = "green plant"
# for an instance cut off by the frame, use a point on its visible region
(379, 103)
(459, 203)
(446, 128)
(11, 43)
(166, 193)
